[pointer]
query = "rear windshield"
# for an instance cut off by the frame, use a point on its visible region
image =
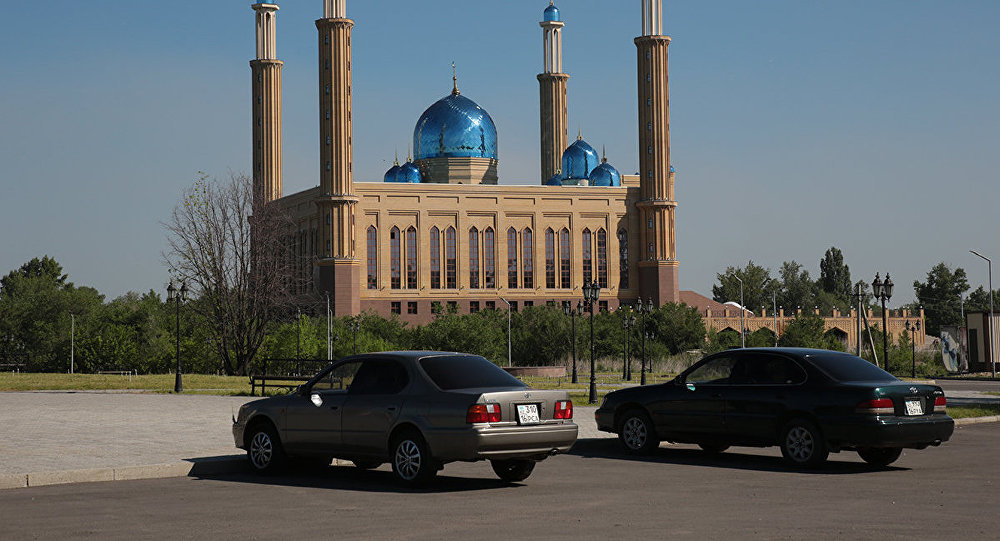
(466, 372)
(844, 367)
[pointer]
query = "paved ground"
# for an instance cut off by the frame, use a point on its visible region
(58, 437)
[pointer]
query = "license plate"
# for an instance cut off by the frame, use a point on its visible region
(914, 407)
(527, 414)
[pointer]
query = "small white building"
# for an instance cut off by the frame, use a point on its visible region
(981, 348)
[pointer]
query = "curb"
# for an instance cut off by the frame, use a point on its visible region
(977, 420)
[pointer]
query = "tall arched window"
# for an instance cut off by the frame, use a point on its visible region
(489, 259)
(550, 258)
(622, 259)
(602, 258)
(394, 268)
(528, 256)
(411, 258)
(450, 259)
(474, 258)
(372, 257)
(435, 258)
(512, 258)
(564, 259)
(588, 256)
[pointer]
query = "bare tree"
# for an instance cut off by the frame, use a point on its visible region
(232, 253)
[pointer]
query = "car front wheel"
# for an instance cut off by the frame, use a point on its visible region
(513, 470)
(264, 449)
(411, 460)
(802, 444)
(880, 456)
(636, 432)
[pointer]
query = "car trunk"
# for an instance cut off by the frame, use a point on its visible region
(908, 399)
(520, 407)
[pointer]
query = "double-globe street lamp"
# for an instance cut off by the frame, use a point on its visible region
(883, 290)
(912, 329)
(628, 323)
(569, 311)
(643, 310)
(354, 326)
(591, 292)
(177, 296)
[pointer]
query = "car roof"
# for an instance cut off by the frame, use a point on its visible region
(409, 355)
(801, 352)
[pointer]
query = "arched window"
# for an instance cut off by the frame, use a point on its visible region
(474, 258)
(528, 256)
(394, 268)
(512, 258)
(411, 258)
(450, 259)
(489, 259)
(564, 259)
(372, 257)
(550, 258)
(435, 258)
(622, 259)
(588, 256)
(602, 258)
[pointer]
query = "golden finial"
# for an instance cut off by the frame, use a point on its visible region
(396, 161)
(604, 154)
(579, 133)
(409, 156)
(454, 80)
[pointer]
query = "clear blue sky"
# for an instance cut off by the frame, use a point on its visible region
(796, 126)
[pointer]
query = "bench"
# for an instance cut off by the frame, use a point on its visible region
(285, 382)
(13, 367)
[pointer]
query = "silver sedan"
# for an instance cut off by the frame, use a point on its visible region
(417, 410)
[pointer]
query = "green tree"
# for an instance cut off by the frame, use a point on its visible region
(757, 285)
(678, 327)
(835, 276)
(796, 288)
(941, 296)
(541, 336)
(806, 331)
(979, 300)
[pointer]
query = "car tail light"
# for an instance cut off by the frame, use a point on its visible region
(483, 413)
(940, 405)
(564, 409)
(877, 406)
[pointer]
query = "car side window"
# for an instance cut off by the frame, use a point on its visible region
(770, 370)
(339, 379)
(379, 377)
(717, 370)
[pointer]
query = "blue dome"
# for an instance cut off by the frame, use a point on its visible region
(552, 13)
(579, 160)
(455, 126)
(605, 175)
(392, 175)
(408, 172)
(555, 180)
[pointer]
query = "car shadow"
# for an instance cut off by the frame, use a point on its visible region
(348, 477)
(733, 458)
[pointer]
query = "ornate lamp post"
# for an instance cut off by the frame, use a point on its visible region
(569, 311)
(177, 296)
(883, 290)
(591, 292)
(743, 331)
(643, 310)
(355, 325)
(913, 345)
(628, 322)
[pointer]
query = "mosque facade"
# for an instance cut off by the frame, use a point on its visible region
(438, 232)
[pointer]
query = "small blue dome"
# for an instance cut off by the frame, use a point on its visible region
(605, 175)
(551, 13)
(671, 169)
(555, 180)
(455, 126)
(579, 160)
(392, 175)
(408, 172)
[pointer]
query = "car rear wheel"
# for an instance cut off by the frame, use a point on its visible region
(411, 459)
(264, 449)
(713, 449)
(366, 464)
(513, 470)
(877, 456)
(636, 432)
(802, 444)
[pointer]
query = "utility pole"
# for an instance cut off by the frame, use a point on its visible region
(72, 341)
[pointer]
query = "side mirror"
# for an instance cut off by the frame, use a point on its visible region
(316, 399)
(690, 386)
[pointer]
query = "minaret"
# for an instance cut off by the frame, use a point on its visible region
(657, 258)
(339, 269)
(552, 94)
(266, 73)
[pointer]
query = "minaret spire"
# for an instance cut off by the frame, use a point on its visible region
(552, 94)
(266, 108)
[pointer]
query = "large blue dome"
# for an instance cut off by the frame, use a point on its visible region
(455, 126)
(579, 160)
(555, 180)
(551, 13)
(605, 175)
(408, 172)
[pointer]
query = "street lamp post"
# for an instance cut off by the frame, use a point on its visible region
(329, 330)
(355, 326)
(72, 341)
(743, 333)
(591, 292)
(883, 290)
(509, 362)
(625, 312)
(177, 296)
(643, 311)
(912, 329)
(298, 341)
(569, 311)
(989, 320)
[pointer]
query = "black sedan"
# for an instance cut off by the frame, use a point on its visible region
(810, 402)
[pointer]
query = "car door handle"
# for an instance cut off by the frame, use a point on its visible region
(391, 408)
(334, 407)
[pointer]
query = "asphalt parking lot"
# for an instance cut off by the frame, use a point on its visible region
(596, 491)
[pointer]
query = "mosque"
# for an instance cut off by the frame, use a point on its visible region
(438, 231)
